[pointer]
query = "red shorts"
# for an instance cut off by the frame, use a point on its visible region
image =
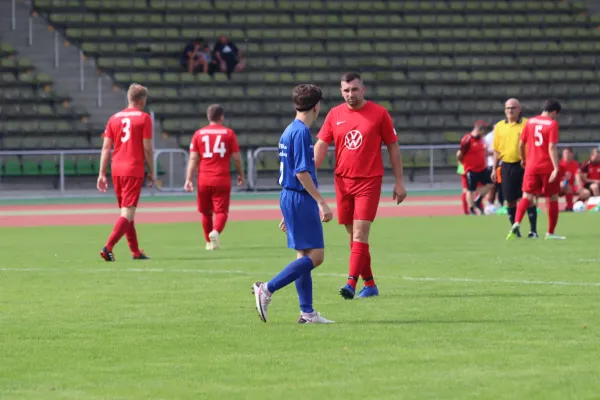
(539, 184)
(214, 199)
(128, 190)
(357, 199)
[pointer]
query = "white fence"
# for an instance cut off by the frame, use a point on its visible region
(175, 175)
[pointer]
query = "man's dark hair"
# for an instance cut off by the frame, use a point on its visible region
(306, 96)
(350, 76)
(214, 112)
(551, 105)
(569, 149)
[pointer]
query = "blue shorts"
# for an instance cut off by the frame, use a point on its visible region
(302, 220)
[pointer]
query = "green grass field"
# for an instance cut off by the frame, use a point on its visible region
(463, 315)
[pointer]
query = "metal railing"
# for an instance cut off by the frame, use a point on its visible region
(171, 168)
(61, 154)
(252, 157)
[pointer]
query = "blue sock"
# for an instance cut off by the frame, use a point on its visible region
(290, 273)
(305, 292)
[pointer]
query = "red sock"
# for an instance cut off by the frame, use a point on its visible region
(464, 203)
(207, 225)
(131, 236)
(220, 221)
(522, 209)
(367, 274)
(359, 257)
(118, 231)
(552, 216)
(569, 198)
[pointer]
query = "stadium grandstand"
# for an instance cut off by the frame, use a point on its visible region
(436, 65)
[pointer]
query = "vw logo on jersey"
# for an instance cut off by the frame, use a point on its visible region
(353, 140)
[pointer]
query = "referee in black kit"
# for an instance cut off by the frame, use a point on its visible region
(507, 134)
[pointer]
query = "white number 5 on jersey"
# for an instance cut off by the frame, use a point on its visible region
(539, 139)
(218, 148)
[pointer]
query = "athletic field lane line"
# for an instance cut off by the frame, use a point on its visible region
(150, 210)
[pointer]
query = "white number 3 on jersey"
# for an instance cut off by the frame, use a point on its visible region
(218, 148)
(539, 139)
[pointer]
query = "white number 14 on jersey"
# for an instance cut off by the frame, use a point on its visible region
(218, 148)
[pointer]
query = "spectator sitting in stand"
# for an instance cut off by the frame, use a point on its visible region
(191, 58)
(228, 56)
(209, 64)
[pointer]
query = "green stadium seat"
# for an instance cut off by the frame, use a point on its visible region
(49, 167)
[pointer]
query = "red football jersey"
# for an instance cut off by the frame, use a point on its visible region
(474, 153)
(538, 133)
(357, 136)
(592, 170)
(128, 129)
(215, 144)
(570, 169)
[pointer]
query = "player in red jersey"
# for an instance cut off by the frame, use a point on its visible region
(211, 151)
(465, 189)
(358, 128)
(472, 154)
(540, 158)
(590, 174)
(131, 132)
(570, 176)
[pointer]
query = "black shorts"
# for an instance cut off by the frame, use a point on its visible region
(588, 186)
(475, 178)
(512, 181)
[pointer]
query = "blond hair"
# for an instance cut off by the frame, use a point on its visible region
(137, 93)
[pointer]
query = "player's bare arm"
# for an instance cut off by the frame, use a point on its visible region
(191, 167)
(237, 161)
(102, 183)
(552, 149)
(396, 160)
(496, 163)
(320, 151)
(309, 185)
(459, 155)
(578, 179)
(282, 226)
(523, 152)
(496, 155)
(149, 157)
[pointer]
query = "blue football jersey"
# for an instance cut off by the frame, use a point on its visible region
(296, 155)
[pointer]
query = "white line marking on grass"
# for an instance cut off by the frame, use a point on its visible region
(263, 273)
(510, 281)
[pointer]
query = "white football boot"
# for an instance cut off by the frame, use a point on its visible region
(313, 318)
(554, 236)
(214, 239)
(262, 299)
